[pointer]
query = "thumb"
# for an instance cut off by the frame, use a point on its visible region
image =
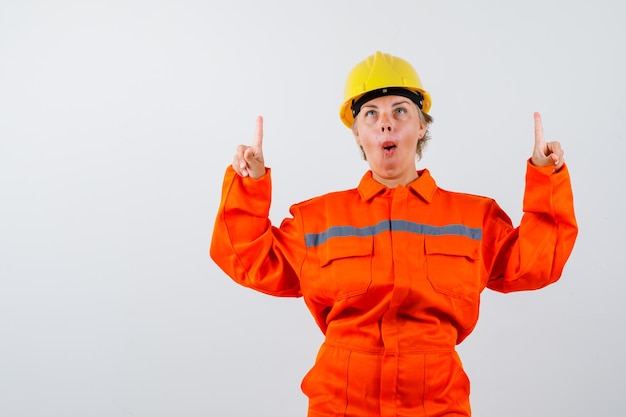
(249, 154)
(254, 161)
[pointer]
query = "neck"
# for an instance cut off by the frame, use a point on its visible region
(393, 182)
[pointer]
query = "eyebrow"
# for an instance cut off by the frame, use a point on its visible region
(402, 101)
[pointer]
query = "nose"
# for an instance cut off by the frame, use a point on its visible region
(385, 123)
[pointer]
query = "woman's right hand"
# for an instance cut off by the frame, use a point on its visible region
(248, 160)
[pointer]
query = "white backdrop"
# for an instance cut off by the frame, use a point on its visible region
(118, 118)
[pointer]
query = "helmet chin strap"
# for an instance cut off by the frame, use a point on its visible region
(415, 96)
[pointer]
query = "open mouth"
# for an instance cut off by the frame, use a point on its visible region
(389, 146)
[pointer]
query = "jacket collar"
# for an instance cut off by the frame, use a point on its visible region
(424, 186)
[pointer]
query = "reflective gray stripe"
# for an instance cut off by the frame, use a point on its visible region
(316, 239)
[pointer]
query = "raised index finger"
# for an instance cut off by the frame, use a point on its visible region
(258, 135)
(539, 138)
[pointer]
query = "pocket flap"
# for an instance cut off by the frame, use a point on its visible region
(346, 247)
(452, 245)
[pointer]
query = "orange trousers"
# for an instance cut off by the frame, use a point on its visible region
(426, 384)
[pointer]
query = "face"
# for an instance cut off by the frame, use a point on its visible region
(388, 129)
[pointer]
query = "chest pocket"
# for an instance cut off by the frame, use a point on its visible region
(346, 266)
(453, 265)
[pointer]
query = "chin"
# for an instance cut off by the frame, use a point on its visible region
(389, 171)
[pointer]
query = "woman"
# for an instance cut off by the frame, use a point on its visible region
(392, 270)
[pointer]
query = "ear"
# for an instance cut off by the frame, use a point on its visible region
(357, 138)
(422, 130)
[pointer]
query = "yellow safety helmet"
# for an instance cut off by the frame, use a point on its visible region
(378, 75)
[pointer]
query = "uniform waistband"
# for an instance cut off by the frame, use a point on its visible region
(382, 351)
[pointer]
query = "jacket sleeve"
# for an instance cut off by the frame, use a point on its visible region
(247, 247)
(533, 255)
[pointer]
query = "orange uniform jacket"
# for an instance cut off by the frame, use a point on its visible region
(393, 278)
